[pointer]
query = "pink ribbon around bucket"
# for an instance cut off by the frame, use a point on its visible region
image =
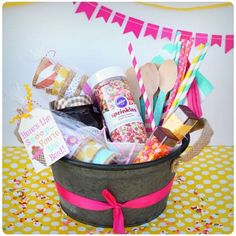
(111, 203)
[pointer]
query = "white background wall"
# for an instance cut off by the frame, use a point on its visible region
(29, 31)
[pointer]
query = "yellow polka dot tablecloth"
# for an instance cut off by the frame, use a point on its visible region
(201, 199)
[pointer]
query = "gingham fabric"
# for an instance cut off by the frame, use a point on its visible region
(71, 102)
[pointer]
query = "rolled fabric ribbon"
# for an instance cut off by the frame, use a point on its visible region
(71, 102)
(104, 156)
(86, 152)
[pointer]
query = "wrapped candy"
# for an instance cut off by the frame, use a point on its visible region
(181, 121)
(158, 145)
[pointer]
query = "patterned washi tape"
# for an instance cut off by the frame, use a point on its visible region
(72, 87)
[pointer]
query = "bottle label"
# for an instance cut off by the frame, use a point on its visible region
(121, 113)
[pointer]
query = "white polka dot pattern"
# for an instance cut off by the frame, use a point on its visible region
(200, 202)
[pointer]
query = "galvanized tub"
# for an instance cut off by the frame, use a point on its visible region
(125, 182)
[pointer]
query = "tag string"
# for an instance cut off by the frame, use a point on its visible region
(29, 107)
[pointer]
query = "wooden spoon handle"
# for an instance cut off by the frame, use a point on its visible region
(159, 107)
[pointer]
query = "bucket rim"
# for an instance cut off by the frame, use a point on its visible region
(120, 167)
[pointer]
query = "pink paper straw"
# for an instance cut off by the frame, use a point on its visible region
(183, 60)
(142, 87)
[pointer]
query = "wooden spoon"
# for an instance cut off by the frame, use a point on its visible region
(168, 74)
(151, 80)
(134, 86)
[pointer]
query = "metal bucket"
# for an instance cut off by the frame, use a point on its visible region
(126, 182)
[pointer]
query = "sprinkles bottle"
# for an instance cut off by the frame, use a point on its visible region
(117, 105)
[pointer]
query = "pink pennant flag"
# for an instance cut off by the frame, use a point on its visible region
(87, 7)
(185, 34)
(166, 33)
(134, 25)
(216, 39)
(104, 13)
(118, 18)
(201, 38)
(229, 43)
(151, 30)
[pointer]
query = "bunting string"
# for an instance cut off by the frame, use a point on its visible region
(135, 26)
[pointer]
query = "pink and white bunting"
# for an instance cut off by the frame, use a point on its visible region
(151, 30)
(166, 33)
(88, 8)
(135, 26)
(118, 18)
(104, 13)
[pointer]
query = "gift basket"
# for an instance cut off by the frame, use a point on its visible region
(114, 140)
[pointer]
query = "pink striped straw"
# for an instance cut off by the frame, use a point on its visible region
(183, 60)
(141, 86)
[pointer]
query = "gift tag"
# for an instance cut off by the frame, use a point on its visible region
(42, 138)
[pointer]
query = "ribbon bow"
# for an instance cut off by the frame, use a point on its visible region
(118, 217)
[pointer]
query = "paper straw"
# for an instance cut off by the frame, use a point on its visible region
(185, 51)
(175, 57)
(142, 87)
(177, 48)
(190, 75)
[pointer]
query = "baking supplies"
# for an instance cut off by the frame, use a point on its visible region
(80, 108)
(117, 105)
(158, 145)
(150, 77)
(189, 77)
(185, 51)
(178, 45)
(92, 151)
(52, 77)
(134, 86)
(168, 74)
(181, 121)
(142, 87)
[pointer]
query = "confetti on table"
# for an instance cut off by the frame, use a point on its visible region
(201, 200)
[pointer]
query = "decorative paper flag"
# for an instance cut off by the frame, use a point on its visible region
(134, 25)
(166, 33)
(87, 7)
(216, 39)
(229, 43)
(104, 13)
(118, 18)
(185, 34)
(151, 30)
(201, 38)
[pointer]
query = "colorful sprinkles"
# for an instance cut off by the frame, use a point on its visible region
(106, 94)
(201, 200)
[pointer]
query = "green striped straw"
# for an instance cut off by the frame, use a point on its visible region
(187, 82)
(178, 45)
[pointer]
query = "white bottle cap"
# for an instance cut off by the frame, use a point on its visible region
(107, 73)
